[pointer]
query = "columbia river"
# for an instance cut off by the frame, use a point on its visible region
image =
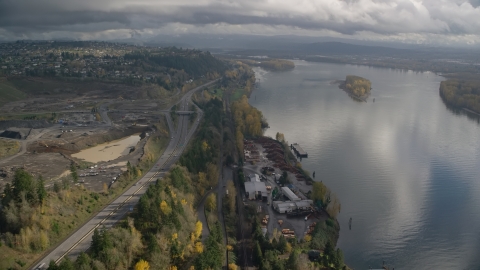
(405, 168)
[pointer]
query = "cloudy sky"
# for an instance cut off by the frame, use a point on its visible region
(411, 21)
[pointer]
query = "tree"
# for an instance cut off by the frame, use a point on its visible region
(56, 187)
(142, 265)
(105, 189)
(211, 202)
(73, 169)
(337, 259)
(257, 254)
(212, 174)
(83, 262)
(284, 178)
(334, 206)
(292, 261)
(280, 137)
(198, 247)
(166, 210)
(66, 264)
(23, 183)
(41, 192)
(231, 198)
(282, 244)
(53, 266)
(319, 190)
(198, 229)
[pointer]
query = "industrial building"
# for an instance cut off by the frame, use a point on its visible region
(287, 192)
(290, 207)
(254, 177)
(254, 189)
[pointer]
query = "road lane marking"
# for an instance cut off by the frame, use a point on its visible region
(119, 207)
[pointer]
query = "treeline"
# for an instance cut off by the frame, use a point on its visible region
(268, 252)
(204, 149)
(195, 63)
(325, 199)
(195, 66)
(241, 76)
(163, 232)
(33, 218)
(271, 64)
(357, 85)
(249, 121)
(277, 65)
(461, 94)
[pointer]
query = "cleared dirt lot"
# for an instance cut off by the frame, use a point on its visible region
(65, 118)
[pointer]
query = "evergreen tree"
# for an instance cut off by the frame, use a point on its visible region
(41, 192)
(73, 169)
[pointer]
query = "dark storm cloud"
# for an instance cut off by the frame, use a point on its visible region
(387, 17)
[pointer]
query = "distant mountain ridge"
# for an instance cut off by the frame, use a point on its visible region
(346, 48)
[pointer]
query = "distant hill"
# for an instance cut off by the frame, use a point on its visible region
(349, 49)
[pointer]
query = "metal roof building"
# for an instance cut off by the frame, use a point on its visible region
(291, 206)
(255, 190)
(289, 194)
(254, 177)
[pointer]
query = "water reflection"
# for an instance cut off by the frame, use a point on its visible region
(405, 167)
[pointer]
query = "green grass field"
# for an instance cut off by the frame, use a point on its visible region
(9, 92)
(237, 94)
(8, 148)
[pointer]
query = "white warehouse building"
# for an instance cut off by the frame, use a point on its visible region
(292, 206)
(287, 192)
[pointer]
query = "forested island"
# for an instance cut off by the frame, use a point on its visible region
(357, 87)
(461, 94)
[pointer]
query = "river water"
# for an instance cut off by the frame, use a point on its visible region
(406, 169)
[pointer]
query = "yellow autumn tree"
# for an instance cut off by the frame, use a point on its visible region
(308, 238)
(105, 188)
(205, 146)
(166, 210)
(142, 265)
(232, 266)
(198, 228)
(199, 247)
(202, 182)
(211, 202)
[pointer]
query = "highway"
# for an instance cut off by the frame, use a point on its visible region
(80, 240)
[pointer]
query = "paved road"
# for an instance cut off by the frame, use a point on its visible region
(202, 217)
(80, 240)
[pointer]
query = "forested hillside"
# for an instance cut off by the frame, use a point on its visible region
(163, 232)
(193, 62)
(249, 121)
(461, 94)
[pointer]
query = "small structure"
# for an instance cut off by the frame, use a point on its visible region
(287, 192)
(298, 150)
(283, 207)
(254, 177)
(293, 207)
(256, 190)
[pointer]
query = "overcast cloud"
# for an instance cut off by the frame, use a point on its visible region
(443, 21)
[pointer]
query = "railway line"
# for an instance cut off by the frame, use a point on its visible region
(79, 241)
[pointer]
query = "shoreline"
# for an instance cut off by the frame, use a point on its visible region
(359, 98)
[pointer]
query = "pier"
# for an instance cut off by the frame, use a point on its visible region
(298, 150)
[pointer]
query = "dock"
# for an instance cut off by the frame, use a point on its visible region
(298, 150)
